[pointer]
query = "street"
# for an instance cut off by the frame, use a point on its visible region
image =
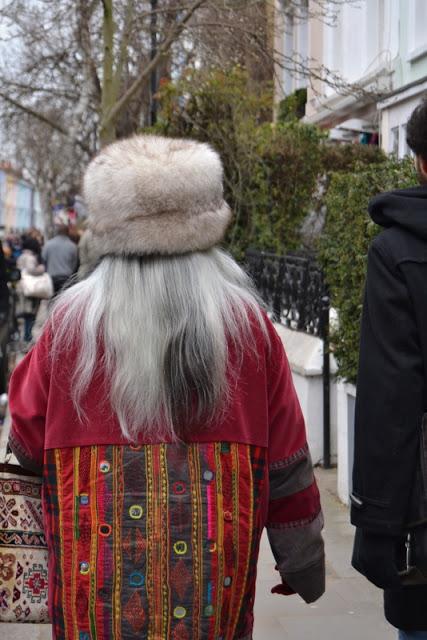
(351, 607)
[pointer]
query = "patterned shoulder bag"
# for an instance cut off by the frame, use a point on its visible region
(23, 549)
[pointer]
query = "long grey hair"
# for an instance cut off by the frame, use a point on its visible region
(165, 324)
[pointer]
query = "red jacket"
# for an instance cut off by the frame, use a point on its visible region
(159, 538)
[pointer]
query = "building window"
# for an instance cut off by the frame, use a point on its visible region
(301, 44)
(332, 38)
(417, 37)
(420, 23)
(395, 141)
(403, 151)
(295, 47)
(289, 51)
(404, 147)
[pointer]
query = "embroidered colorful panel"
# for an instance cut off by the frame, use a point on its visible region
(23, 550)
(155, 541)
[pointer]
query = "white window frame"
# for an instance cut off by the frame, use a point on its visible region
(417, 50)
(395, 141)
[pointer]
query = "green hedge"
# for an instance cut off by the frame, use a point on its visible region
(275, 175)
(344, 246)
(293, 106)
(272, 173)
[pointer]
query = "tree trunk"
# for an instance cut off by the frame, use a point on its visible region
(107, 132)
(46, 199)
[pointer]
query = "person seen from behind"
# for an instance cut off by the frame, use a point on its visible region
(60, 254)
(36, 235)
(28, 262)
(389, 481)
(159, 406)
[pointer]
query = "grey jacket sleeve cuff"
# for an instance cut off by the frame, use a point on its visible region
(309, 583)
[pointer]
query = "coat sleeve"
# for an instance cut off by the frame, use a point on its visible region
(295, 520)
(28, 399)
(390, 400)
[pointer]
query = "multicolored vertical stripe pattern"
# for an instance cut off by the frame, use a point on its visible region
(154, 541)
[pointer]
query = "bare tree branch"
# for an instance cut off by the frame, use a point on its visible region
(42, 118)
(98, 82)
(145, 73)
(39, 116)
(124, 42)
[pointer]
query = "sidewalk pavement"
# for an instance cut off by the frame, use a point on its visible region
(351, 608)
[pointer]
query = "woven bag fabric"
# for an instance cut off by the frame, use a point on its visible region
(23, 549)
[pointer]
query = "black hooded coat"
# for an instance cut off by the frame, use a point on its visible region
(391, 399)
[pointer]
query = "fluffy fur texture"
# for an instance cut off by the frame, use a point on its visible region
(165, 323)
(150, 194)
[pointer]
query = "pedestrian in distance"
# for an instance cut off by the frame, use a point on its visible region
(36, 235)
(28, 262)
(159, 406)
(389, 498)
(60, 254)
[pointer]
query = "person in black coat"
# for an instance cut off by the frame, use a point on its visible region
(392, 392)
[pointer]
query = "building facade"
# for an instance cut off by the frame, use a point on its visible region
(409, 76)
(19, 201)
(366, 63)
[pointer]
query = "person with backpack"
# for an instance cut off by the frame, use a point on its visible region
(159, 406)
(389, 500)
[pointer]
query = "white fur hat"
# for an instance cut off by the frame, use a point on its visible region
(150, 194)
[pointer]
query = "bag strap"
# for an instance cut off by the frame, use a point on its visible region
(5, 425)
(8, 453)
(6, 457)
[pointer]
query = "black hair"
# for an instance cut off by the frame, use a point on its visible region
(416, 130)
(31, 244)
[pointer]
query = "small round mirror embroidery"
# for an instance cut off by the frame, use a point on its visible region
(84, 499)
(104, 530)
(136, 511)
(208, 475)
(136, 579)
(180, 547)
(104, 466)
(227, 581)
(178, 488)
(211, 546)
(209, 610)
(228, 516)
(84, 568)
(179, 612)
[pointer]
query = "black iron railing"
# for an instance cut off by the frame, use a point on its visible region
(294, 289)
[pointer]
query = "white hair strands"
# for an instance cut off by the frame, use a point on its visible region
(164, 324)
